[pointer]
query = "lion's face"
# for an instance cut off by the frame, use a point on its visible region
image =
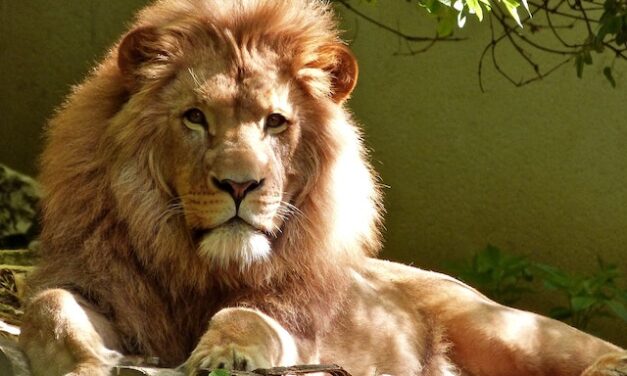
(239, 139)
(214, 137)
(233, 136)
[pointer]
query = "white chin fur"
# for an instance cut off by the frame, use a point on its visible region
(235, 243)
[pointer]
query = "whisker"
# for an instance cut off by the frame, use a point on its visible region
(169, 212)
(288, 211)
(197, 81)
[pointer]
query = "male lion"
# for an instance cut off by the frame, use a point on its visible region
(208, 201)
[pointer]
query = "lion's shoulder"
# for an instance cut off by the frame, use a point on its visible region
(418, 288)
(397, 273)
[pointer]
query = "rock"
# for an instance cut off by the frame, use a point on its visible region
(19, 196)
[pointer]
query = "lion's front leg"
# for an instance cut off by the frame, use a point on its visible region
(243, 339)
(62, 335)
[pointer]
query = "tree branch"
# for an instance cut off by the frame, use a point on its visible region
(569, 12)
(397, 32)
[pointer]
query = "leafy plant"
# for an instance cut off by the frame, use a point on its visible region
(503, 277)
(587, 296)
(19, 196)
(506, 278)
(455, 12)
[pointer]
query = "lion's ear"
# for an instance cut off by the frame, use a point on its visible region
(139, 47)
(329, 72)
(344, 72)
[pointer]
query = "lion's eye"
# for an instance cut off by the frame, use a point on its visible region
(194, 118)
(275, 121)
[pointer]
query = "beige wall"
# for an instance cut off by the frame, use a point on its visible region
(46, 46)
(539, 170)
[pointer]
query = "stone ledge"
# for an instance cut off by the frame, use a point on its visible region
(14, 363)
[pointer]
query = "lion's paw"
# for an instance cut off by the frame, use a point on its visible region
(235, 357)
(614, 364)
(242, 339)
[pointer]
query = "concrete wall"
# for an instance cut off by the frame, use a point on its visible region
(539, 170)
(45, 47)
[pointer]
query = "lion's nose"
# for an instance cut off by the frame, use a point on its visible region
(237, 190)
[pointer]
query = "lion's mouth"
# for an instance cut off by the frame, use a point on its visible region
(198, 234)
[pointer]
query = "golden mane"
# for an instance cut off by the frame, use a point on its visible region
(107, 234)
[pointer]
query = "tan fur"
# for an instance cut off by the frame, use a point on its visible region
(142, 252)
(614, 364)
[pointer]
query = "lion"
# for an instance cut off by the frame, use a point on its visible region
(208, 200)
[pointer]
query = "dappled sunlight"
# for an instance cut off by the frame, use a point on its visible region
(396, 337)
(516, 325)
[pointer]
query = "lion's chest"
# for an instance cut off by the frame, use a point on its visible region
(157, 325)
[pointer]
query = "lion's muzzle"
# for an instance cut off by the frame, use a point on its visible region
(237, 190)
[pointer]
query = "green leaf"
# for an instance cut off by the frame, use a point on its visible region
(580, 303)
(486, 4)
(587, 57)
(511, 6)
(579, 65)
(461, 18)
(597, 44)
(618, 308)
(526, 6)
(488, 259)
(621, 36)
(610, 6)
(527, 275)
(560, 313)
(613, 24)
(603, 31)
(480, 278)
(554, 278)
(446, 25)
(432, 6)
(475, 7)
